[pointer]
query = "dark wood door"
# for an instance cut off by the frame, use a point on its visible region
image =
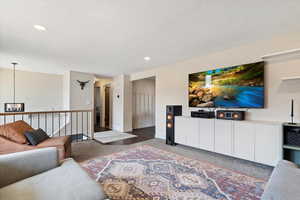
(107, 104)
(97, 107)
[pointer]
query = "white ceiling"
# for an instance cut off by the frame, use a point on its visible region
(110, 37)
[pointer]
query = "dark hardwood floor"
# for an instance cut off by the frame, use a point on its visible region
(101, 129)
(142, 134)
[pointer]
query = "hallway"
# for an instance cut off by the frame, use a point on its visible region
(142, 134)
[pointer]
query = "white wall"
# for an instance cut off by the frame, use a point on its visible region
(143, 103)
(45, 92)
(66, 90)
(172, 80)
(122, 103)
(118, 103)
(81, 99)
(77, 99)
(127, 104)
(39, 91)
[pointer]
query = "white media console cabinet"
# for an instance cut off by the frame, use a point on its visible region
(256, 141)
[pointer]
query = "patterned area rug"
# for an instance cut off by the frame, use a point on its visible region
(146, 172)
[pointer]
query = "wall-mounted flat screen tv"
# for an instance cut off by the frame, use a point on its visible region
(239, 86)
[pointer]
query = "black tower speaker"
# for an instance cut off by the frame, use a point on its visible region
(172, 111)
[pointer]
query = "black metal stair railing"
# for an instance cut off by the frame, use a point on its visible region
(76, 123)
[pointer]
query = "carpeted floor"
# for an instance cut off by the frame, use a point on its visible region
(146, 172)
(87, 150)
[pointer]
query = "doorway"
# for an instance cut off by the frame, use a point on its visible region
(97, 107)
(143, 106)
(102, 105)
(107, 107)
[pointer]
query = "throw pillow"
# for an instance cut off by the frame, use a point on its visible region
(36, 136)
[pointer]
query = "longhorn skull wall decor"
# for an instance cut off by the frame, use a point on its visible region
(82, 83)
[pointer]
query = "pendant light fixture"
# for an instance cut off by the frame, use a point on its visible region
(14, 107)
(14, 81)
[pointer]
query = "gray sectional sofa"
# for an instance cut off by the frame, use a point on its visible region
(284, 183)
(37, 174)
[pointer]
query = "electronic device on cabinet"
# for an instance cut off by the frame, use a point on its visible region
(230, 114)
(203, 114)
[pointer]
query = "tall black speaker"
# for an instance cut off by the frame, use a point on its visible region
(172, 111)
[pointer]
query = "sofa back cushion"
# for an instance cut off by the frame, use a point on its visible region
(15, 167)
(15, 131)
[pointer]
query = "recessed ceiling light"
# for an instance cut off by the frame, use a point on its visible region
(39, 27)
(147, 58)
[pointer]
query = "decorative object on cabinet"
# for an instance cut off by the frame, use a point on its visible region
(172, 111)
(291, 142)
(292, 112)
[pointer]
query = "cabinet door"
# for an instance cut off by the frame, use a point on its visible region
(192, 132)
(243, 142)
(223, 137)
(268, 141)
(207, 134)
(180, 124)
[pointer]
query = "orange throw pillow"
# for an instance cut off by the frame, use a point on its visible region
(15, 131)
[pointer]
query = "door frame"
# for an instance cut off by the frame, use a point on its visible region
(109, 125)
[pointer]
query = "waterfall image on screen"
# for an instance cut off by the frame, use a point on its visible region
(240, 86)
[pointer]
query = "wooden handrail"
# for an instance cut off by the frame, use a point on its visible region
(43, 112)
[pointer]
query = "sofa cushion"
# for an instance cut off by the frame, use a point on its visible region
(15, 131)
(36, 136)
(67, 182)
(62, 143)
(55, 141)
(283, 183)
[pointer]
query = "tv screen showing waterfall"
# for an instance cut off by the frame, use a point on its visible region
(239, 86)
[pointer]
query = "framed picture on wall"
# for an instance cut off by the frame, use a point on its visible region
(14, 107)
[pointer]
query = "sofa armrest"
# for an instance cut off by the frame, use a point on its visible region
(18, 166)
(283, 183)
